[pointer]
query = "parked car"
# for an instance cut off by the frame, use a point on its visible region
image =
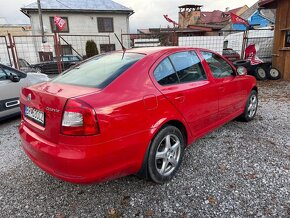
(131, 112)
(11, 82)
(67, 61)
(25, 66)
(231, 54)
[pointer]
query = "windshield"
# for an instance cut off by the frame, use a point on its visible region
(99, 71)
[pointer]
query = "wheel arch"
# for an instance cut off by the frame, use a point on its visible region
(143, 172)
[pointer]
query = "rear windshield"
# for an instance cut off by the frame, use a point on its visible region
(99, 71)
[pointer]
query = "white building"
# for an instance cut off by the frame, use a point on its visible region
(84, 20)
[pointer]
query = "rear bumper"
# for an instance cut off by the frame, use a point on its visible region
(86, 163)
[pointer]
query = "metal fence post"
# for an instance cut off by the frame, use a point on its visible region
(57, 52)
(12, 46)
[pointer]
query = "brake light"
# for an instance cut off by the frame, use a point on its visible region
(79, 118)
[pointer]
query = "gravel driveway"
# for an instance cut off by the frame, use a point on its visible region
(241, 169)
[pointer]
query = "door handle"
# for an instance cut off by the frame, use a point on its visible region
(12, 103)
(179, 98)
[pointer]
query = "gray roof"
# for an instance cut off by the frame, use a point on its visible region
(80, 5)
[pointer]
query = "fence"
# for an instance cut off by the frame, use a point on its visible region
(237, 40)
(33, 50)
(4, 52)
(76, 44)
(30, 48)
(149, 40)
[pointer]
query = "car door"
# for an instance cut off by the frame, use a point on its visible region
(9, 92)
(182, 79)
(230, 89)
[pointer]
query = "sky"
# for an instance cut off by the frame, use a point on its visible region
(148, 13)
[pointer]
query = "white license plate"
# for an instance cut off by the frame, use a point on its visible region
(35, 115)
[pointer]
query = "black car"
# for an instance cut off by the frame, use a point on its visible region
(51, 66)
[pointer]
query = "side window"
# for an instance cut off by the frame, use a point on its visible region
(219, 67)
(10, 71)
(3, 75)
(188, 66)
(165, 73)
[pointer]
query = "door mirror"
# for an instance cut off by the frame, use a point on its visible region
(242, 71)
(14, 78)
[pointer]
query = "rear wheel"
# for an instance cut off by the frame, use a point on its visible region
(274, 74)
(261, 73)
(251, 107)
(165, 154)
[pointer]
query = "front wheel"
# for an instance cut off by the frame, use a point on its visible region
(251, 107)
(165, 154)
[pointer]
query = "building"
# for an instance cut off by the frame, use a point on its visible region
(257, 18)
(83, 17)
(191, 16)
(281, 49)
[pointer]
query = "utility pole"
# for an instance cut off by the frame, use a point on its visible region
(41, 22)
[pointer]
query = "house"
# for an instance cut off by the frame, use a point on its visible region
(82, 17)
(281, 49)
(257, 18)
(13, 29)
(191, 16)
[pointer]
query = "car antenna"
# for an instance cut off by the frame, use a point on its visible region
(123, 47)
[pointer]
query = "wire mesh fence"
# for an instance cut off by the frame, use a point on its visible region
(149, 40)
(76, 44)
(4, 52)
(31, 48)
(263, 40)
(214, 43)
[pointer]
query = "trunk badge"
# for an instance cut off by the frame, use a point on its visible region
(29, 97)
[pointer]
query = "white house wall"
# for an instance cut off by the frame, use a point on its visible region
(83, 24)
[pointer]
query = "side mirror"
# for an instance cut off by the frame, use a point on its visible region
(242, 71)
(14, 78)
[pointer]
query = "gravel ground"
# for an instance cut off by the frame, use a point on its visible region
(241, 169)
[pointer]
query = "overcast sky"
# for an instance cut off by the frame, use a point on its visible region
(148, 13)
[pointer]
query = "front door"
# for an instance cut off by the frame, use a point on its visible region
(182, 79)
(230, 90)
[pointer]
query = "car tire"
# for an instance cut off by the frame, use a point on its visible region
(274, 74)
(244, 63)
(261, 73)
(251, 107)
(165, 154)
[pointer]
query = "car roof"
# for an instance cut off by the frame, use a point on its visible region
(152, 50)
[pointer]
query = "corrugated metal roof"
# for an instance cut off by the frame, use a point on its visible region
(86, 5)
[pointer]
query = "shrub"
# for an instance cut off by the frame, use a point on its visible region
(91, 48)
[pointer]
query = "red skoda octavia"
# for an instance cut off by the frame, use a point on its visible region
(131, 112)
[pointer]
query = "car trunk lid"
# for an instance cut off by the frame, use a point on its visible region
(50, 99)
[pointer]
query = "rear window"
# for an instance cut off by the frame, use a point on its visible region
(99, 71)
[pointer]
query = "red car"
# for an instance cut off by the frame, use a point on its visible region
(131, 113)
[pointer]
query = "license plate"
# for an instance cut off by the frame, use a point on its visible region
(35, 115)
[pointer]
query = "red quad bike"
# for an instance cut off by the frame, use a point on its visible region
(256, 66)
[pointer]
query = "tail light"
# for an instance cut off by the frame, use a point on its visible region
(79, 118)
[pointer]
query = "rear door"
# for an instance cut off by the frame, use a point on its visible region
(230, 90)
(182, 79)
